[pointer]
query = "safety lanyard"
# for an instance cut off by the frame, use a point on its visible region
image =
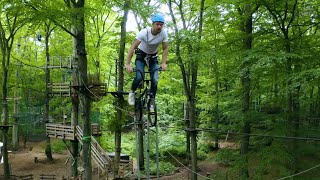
(146, 59)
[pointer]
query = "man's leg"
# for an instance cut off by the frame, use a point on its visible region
(138, 78)
(154, 76)
(139, 74)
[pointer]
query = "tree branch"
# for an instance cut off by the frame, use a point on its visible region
(54, 21)
(178, 54)
(26, 63)
(293, 13)
(276, 16)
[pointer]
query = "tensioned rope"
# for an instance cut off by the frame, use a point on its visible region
(243, 134)
(230, 132)
(277, 179)
(30, 65)
(300, 172)
(252, 134)
(186, 166)
(100, 98)
(147, 144)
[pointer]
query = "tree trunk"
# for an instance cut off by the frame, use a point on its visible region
(48, 151)
(185, 80)
(312, 103)
(5, 110)
(140, 145)
(193, 141)
(80, 50)
(193, 123)
(120, 101)
(187, 125)
(75, 108)
(75, 143)
(293, 105)
(192, 95)
(216, 106)
(15, 142)
(245, 83)
(284, 22)
(189, 88)
(317, 106)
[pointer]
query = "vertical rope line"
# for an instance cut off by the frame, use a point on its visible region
(148, 149)
(157, 150)
(137, 146)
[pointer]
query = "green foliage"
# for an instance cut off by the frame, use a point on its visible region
(59, 146)
(226, 156)
(270, 163)
(220, 63)
(127, 145)
(202, 154)
(173, 142)
(164, 168)
(307, 149)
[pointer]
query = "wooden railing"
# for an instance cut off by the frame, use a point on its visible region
(22, 177)
(47, 176)
(60, 89)
(100, 157)
(60, 131)
(98, 154)
(60, 62)
(97, 91)
(125, 168)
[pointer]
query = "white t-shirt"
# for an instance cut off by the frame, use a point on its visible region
(150, 43)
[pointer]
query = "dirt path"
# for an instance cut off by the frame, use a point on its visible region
(23, 162)
(184, 173)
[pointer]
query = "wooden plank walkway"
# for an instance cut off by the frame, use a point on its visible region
(60, 89)
(100, 157)
(60, 62)
(98, 154)
(60, 131)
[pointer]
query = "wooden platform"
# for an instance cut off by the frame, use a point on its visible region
(60, 131)
(125, 168)
(97, 91)
(100, 157)
(47, 176)
(98, 154)
(22, 177)
(61, 62)
(60, 89)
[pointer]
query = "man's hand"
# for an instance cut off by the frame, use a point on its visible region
(129, 68)
(164, 66)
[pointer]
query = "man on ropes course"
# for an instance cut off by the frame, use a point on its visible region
(145, 45)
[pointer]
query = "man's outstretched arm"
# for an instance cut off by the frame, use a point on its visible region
(164, 55)
(134, 46)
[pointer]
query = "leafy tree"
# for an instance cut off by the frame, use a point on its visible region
(189, 74)
(120, 101)
(12, 20)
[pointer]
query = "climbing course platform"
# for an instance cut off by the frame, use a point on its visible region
(60, 62)
(60, 89)
(98, 154)
(100, 157)
(60, 131)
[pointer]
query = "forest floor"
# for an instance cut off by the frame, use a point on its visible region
(23, 162)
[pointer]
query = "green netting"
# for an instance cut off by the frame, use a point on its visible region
(95, 117)
(31, 123)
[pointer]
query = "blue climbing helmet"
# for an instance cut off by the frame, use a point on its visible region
(157, 18)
